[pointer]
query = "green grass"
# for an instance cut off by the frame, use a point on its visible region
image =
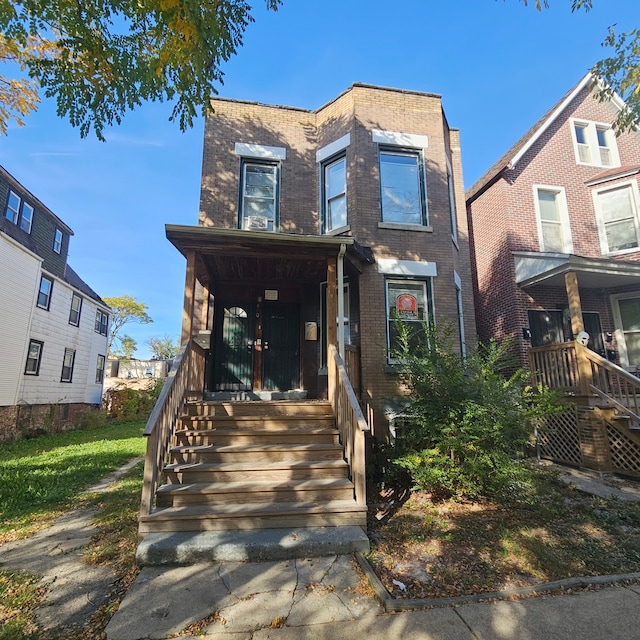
(41, 477)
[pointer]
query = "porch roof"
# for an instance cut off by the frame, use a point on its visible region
(533, 268)
(233, 254)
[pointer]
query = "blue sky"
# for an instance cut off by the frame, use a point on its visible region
(498, 65)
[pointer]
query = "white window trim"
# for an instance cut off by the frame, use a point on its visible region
(460, 311)
(635, 195)
(276, 196)
(592, 142)
(407, 268)
(247, 150)
(324, 201)
(333, 148)
(399, 139)
(563, 210)
(57, 246)
(617, 323)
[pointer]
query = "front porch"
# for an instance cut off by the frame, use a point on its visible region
(257, 440)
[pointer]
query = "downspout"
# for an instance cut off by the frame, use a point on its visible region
(343, 249)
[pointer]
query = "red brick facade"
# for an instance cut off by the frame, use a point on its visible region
(502, 212)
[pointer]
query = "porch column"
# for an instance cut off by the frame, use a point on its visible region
(206, 297)
(340, 288)
(189, 297)
(575, 307)
(332, 306)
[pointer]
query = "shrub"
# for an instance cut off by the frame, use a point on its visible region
(468, 422)
(124, 403)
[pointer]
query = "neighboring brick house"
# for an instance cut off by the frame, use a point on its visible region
(368, 190)
(555, 233)
(53, 326)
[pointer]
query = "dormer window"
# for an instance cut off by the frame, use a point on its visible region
(57, 241)
(19, 212)
(595, 144)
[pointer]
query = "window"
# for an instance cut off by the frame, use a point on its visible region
(76, 308)
(402, 187)
(67, 365)
(13, 207)
(409, 301)
(26, 219)
(334, 201)
(617, 210)
(553, 219)
(626, 311)
(595, 144)
(34, 356)
(19, 212)
(44, 294)
(259, 196)
(102, 321)
(100, 369)
(57, 241)
(452, 204)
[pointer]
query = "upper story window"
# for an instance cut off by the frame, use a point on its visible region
(34, 357)
(19, 212)
(57, 241)
(102, 322)
(402, 186)
(617, 213)
(259, 196)
(76, 308)
(334, 194)
(553, 219)
(67, 365)
(595, 144)
(44, 293)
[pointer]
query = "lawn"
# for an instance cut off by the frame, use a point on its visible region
(41, 477)
(44, 477)
(445, 548)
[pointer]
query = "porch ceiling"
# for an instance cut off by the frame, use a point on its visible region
(230, 254)
(533, 268)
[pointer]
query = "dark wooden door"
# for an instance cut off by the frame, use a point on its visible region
(234, 348)
(280, 347)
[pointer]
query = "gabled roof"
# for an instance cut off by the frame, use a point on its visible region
(511, 158)
(72, 278)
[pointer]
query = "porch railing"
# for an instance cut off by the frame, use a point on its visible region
(573, 367)
(187, 375)
(352, 364)
(350, 421)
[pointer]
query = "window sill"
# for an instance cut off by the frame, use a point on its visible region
(338, 231)
(405, 227)
(392, 368)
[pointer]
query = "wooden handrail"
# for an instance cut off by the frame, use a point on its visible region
(572, 367)
(349, 420)
(186, 375)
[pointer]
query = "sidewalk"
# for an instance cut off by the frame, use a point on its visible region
(321, 599)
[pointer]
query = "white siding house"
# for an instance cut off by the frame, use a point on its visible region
(53, 326)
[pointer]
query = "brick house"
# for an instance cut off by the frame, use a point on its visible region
(53, 336)
(369, 185)
(555, 233)
(316, 228)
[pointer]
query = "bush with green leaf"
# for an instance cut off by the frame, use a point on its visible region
(468, 421)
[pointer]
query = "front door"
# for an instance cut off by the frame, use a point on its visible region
(257, 347)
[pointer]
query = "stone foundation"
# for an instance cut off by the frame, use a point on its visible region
(31, 420)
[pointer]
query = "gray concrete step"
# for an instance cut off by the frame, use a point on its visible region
(186, 548)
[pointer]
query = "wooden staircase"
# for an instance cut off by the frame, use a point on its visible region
(254, 465)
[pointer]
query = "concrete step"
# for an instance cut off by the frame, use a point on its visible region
(316, 489)
(185, 548)
(255, 453)
(224, 437)
(227, 517)
(239, 471)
